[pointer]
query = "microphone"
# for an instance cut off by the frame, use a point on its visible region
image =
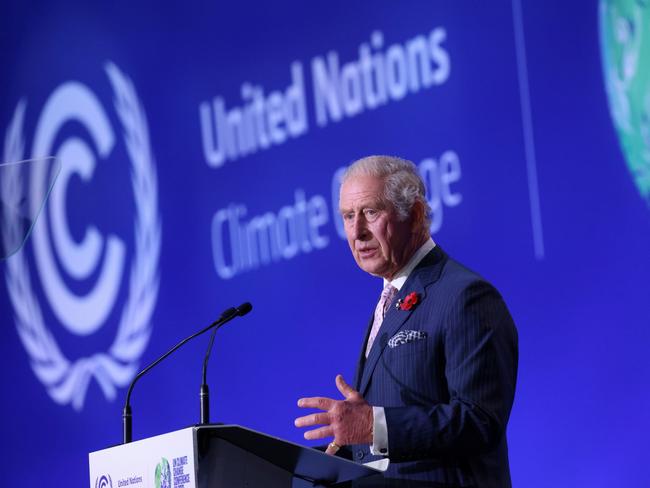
(204, 393)
(244, 308)
(226, 316)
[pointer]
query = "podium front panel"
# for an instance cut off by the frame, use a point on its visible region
(164, 461)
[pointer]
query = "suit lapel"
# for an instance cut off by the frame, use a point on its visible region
(425, 273)
(362, 356)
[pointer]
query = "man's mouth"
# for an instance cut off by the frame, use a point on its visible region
(367, 252)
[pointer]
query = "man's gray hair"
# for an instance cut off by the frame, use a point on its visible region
(403, 185)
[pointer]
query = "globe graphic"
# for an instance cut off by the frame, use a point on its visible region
(625, 47)
(163, 474)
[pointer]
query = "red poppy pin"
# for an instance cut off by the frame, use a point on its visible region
(409, 302)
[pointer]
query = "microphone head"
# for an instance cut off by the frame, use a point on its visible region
(244, 308)
(231, 312)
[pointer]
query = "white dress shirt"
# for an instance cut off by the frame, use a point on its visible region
(379, 446)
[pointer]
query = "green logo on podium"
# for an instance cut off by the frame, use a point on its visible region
(163, 474)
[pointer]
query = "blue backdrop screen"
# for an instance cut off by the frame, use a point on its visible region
(201, 148)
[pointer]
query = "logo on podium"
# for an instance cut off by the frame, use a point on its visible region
(104, 481)
(88, 277)
(163, 474)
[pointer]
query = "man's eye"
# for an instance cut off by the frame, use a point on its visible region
(370, 213)
(348, 216)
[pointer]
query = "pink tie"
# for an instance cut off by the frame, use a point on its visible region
(387, 296)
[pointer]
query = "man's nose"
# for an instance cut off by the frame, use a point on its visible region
(359, 228)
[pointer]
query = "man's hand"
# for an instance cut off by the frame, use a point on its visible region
(349, 421)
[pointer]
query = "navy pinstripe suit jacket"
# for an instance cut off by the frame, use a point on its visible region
(447, 397)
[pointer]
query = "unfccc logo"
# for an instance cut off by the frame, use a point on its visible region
(60, 259)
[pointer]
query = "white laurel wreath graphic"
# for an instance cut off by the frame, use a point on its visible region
(67, 382)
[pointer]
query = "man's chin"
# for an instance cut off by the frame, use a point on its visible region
(372, 268)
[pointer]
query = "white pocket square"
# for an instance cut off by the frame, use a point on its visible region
(406, 336)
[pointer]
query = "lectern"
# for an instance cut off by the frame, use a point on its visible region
(220, 456)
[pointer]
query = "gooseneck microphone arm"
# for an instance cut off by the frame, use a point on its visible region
(226, 316)
(204, 393)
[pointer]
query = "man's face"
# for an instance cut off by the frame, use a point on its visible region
(380, 243)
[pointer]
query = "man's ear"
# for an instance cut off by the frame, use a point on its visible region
(417, 216)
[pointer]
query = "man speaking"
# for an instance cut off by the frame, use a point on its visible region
(437, 371)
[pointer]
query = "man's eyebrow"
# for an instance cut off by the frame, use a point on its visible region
(378, 204)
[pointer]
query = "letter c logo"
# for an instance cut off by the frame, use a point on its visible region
(81, 315)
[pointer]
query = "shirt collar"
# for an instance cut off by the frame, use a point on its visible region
(401, 277)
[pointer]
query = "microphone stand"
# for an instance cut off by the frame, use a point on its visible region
(127, 417)
(204, 393)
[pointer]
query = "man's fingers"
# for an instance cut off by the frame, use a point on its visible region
(313, 419)
(332, 449)
(346, 390)
(326, 431)
(322, 403)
